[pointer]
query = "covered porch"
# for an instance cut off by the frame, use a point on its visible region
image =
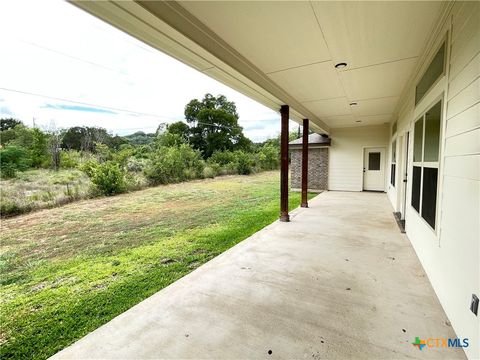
(338, 281)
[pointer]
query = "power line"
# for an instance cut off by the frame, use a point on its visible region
(110, 108)
(87, 104)
(71, 56)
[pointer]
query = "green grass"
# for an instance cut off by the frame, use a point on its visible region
(68, 270)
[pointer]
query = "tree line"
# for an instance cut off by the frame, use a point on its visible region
(209, 143)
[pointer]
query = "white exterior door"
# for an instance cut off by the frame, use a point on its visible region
(374, 169)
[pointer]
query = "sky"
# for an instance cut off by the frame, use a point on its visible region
(91, 74)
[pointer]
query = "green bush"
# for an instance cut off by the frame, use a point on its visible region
(12, 159)
(237, 162)
(20, 135)
(174, 164)
(134, 164)
(268, 158)
(38, 149)
(103, 152)
(123, 156)
(244, 162)
(89, 167)
(109, 178)
(70, 159)
(209, 172)
(135, 181)
(223, 158)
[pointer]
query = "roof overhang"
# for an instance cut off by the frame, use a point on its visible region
(284, 52)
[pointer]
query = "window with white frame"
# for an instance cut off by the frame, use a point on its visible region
(435, 69)
(393, 166)
(426, 147)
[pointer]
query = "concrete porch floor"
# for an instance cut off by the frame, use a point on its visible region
(338, 281)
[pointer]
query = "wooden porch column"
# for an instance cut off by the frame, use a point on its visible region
(305, 164)
(284, 111)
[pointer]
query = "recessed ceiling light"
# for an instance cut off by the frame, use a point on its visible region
(353, 104)
(341, 65)
(358, 120)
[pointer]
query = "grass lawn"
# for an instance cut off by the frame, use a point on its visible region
(66, 271)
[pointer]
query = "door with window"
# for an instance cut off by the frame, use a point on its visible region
(374, 169)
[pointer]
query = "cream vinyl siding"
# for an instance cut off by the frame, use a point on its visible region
(460, 212)
(345, 172)
(450, 255)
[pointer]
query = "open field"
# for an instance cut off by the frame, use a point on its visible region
(65, 271)
(41, 188)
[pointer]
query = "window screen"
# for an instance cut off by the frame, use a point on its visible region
(374, 161)
(434, 70)
(429, 195)
(416, 182)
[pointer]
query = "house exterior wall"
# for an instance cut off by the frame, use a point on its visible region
(317, 169)
(450, 254)
(345, 171)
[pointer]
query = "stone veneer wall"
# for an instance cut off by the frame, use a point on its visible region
(317, 168)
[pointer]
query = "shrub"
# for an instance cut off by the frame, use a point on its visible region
(123, 156)
(38, 149)
(134, 164)
(89, 167)
(268, 158)
(174, 164)
(244, 163)
(135, 181)
(109, 178)
(209, 172)
(70, 159)
(103, 152)
(12, 159)
(223, 158)
(10, 208)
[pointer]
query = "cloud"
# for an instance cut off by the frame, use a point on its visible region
(78, 108)
(263, 124)
(5, 111)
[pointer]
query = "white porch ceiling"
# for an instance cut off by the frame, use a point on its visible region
(297, 44)
(284, 52)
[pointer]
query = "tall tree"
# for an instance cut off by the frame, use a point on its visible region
(8, 123)
(84, 138)
(215, 126)
(179, 128)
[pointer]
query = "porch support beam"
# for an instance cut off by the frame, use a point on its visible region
(284, 111)
(305, 164)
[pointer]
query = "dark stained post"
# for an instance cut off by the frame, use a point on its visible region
(305, 164)
(284, 111)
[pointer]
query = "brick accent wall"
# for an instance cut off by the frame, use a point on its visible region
(317, 168)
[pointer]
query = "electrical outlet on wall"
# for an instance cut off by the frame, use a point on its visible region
(474, 304)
